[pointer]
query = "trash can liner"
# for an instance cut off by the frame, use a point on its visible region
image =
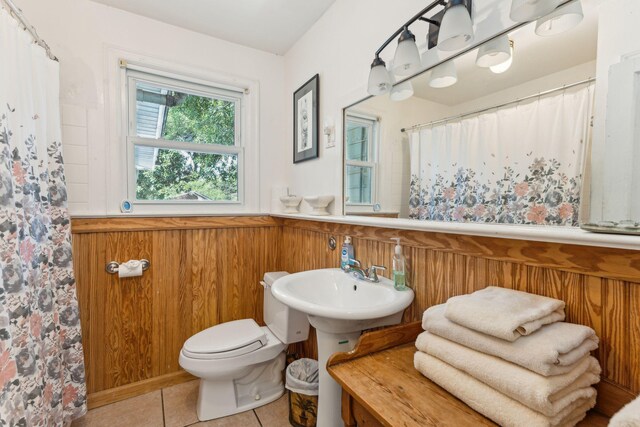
(302, 377)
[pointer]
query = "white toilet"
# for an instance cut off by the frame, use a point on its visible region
(239, 363)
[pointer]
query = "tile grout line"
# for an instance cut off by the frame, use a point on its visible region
(164, 422)
(257, 417)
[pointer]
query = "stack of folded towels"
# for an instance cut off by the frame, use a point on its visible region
(509, 355)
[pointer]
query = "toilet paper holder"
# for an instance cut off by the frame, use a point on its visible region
(112, 267)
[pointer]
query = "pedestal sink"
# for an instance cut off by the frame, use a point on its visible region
(340, 307)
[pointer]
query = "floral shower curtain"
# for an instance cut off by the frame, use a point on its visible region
(521, 164)
(41, 359)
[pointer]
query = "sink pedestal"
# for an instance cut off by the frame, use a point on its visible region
(336, 336)
(330, 401)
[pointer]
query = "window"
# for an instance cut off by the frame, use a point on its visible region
(361, 157)
(183, 141)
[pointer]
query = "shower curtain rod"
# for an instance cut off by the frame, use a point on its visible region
(472, 113)
(17, 13)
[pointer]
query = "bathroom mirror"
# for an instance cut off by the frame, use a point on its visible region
(467, 143)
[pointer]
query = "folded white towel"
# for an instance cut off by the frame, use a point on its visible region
(493, 404)
(553, 350)
(504, 313)
(629, 416)
(548, 395)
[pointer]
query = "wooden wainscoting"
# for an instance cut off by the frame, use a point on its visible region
(600, 286)
(204, 271)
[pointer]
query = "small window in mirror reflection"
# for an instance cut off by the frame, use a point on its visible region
(361, 159)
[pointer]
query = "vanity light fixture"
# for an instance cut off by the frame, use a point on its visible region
(379, 78)
(456, 28)
(529, 10)
(494, 52)
(444, 75)
(407, 58)
(560, 20)
(504, 66)
(456, 32)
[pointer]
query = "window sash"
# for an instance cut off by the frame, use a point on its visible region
(371, 124)
(372, 186)
(190, 88)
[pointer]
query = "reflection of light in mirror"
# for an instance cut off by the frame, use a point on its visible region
(494, 52)
(528, 10)
(501, 68)
(456, 29)
(560, 20)
(402, 91)
(407, 58)
(444, 75)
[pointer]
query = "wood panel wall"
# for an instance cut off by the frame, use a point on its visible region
(206, 270)
(600, 286)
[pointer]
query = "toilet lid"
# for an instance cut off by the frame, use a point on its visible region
(226, 340)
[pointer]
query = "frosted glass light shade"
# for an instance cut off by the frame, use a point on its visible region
(379, 79)
(407, 58)
(402, 91)
(504, 66)
(528, 10)
(444, 75)
(456, 29)
(560, 20)
(494, 52)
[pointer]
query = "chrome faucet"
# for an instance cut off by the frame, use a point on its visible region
(369, 274)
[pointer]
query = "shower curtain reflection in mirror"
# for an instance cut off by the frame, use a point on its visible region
(42, 381)
(520, 164)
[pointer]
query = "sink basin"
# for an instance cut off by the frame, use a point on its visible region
(334, 294)
(340, 307)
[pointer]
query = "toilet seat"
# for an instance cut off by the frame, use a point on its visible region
(226, 340)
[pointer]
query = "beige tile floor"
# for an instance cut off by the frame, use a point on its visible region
(176, 407)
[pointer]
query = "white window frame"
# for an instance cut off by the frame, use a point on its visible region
(373, 153)
(116, 163)
(190, 88)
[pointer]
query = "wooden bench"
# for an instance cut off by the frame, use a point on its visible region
(380, 386)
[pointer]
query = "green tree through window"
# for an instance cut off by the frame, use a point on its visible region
(179, 174)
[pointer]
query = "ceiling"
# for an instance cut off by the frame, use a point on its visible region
(269, 25)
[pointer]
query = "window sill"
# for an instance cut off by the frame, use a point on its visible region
(574, 236)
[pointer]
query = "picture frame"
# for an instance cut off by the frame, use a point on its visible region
(306, 109)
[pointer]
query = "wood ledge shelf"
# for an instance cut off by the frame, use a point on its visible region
(382, 388)
(123, 224)
(557, 235)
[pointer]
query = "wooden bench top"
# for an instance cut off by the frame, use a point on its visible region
(380, 376)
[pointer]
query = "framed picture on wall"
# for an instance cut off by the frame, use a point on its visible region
(305, 121)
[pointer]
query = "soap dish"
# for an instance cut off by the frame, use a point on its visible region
(290, 203)
(319, 204)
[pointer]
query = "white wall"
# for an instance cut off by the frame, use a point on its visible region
(340, 48)
(81, 33)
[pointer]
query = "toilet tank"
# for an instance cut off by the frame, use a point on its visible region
(287, 324)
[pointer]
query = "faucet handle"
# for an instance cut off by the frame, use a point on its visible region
(373, 271)
(354, 262)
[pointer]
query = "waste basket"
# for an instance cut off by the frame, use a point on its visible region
(302, 383)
